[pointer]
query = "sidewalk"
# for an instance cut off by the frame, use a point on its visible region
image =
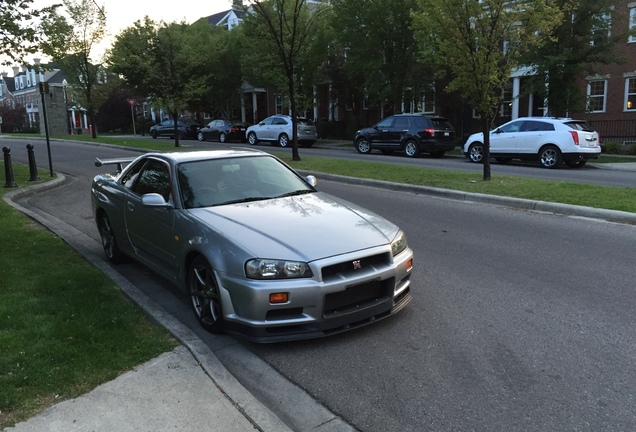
(171, 392)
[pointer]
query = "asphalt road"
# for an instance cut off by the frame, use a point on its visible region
(521, 321)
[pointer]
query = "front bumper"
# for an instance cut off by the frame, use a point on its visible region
(336, 299)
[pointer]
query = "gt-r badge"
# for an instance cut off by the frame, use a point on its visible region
(357, 265)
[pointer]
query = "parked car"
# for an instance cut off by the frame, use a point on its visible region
(260, 252)
(550, 140)
(224, 130)
(187, 129)
(277, 129)
(409, 133)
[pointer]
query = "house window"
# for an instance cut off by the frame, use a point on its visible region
(279, 104)
(596, 95)
(630, 94)
(428, 100)
(632, 24)
(601, 29)
(505, 110)
(365, 101)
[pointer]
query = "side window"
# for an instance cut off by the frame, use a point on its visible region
(154, 178)
(166, 123)
(128, 180)
(387, 122)
(267, 121)
(401, 123)
(280, 121)
(218, 123)
(534, 126)
(512, 127)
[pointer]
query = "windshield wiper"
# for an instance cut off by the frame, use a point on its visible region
(296, 192)
(244, 200)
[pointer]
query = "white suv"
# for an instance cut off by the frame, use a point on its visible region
(550, 140)
(277, 129)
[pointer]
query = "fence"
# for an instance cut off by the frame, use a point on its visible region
(618, 131)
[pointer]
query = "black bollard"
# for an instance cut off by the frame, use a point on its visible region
(8, 169)
(33, 169)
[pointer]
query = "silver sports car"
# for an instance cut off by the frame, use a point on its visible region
(261, 253)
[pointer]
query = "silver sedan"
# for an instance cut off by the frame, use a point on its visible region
(261, 253)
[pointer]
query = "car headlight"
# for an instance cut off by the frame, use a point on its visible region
(399, 243)
(276, 269)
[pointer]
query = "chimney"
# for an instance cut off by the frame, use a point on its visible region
(16, 70)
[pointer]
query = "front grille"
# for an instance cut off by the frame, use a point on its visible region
(357, 296)
(350, 267)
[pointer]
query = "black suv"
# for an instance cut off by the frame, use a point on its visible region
(410, 133)
(185, 128)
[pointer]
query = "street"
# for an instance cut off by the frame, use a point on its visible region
(520, 321)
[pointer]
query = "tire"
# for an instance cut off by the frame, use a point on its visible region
(204, 294)
(153, 134)
(363, 146)
(283, 140)
(251, 138)
(411, 149)
(222, 137)
(109, 241)
(200, 136)
(437, 153)
(503, 160)
(579, 163)
(550, 157)
(476, 153)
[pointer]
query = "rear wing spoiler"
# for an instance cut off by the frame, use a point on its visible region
(100, 162)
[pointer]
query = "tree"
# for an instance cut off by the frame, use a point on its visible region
(73, 38)
(162, 61)
(284, 30)
(19, 32)
(380, 47)
(578, 45)
(481, 42)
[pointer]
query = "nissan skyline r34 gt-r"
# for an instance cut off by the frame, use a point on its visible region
(260, 252)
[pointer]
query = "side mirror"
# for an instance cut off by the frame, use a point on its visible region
(311, 180)
(154, 200)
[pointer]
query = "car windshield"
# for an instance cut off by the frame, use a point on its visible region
(214, 182)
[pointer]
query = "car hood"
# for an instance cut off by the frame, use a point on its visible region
(305, 228)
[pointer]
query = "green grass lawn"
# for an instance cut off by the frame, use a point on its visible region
(64, 326)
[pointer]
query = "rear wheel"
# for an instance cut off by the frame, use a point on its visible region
(550, 157)
(476, 152)
(205, 295)
(363, 146)
(109, 242)
(222, 137)
(283, 140)
(200, 136)
(251, 138)
(411, 149)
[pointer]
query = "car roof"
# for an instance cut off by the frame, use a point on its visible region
(190, 156)
(550, 119)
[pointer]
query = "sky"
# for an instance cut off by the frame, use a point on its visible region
(121, 14)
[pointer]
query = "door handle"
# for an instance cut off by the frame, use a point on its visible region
(130, 206)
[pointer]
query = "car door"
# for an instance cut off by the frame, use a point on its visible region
(532, 135)
(381, 133)
(398, 132)
(502, 139)
(280, 125)
(150, 229)
(166, 127)
(263, 130)
(215, 127)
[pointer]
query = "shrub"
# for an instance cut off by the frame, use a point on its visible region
(612, 147)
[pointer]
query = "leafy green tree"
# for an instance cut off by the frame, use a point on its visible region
(164, 62)
(19, 31)
(481, 42)
(379, 47)
(73, 39)
(580, 44)
(281, 32)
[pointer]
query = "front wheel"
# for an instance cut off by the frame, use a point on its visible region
(411, 149)
(283, 140)
(200, 136)
(205, 296)
(222, 137)
(363, 146)
(109, 242)
(153, 134)
(476, 152)
(550, 157)
(251, 138)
